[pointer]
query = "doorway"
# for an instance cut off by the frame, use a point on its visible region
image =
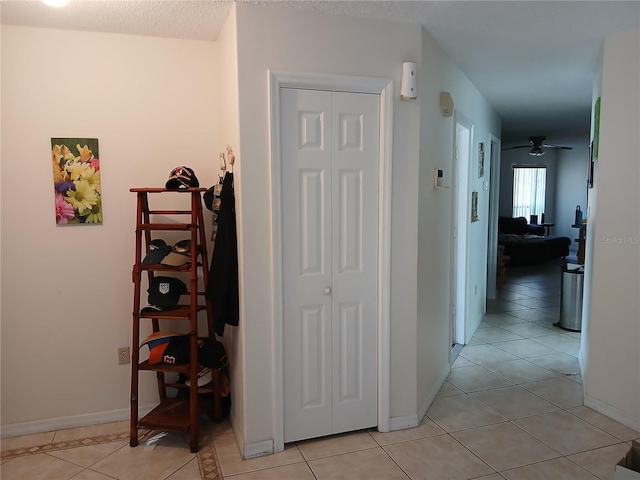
(348, 314)
(329, 147)
(463, 139)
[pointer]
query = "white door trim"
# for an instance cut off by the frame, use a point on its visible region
(384, 88)
(494, 200)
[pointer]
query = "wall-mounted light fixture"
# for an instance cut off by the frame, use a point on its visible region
(446, 104)
(409, 85)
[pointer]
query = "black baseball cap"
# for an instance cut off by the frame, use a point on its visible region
(182, 177)
(158, 249)
(166, 291)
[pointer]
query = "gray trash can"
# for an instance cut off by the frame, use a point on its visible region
(571, 288)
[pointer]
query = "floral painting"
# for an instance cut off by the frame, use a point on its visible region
(76, 180)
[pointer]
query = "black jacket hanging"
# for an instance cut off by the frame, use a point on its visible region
(222, 287)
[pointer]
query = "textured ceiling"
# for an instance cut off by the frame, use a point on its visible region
(533, 60)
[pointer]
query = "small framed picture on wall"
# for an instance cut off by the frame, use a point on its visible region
(480, 160)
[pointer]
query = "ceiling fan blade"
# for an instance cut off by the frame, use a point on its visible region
(519, 146)
(557, 146)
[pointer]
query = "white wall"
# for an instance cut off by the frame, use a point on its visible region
(611, 330)
(571, 190)
(67, 291)
(435, 216)
(230, 133)
(296, 41)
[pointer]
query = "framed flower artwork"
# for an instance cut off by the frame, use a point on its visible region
(76, 180)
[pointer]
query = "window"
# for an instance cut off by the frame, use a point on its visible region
(529, 188)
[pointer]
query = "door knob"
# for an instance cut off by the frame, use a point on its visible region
(327, 291)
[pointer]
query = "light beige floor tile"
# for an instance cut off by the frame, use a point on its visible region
(562, 392)
(437, 458)
(526, 348)
(485, 354)
(427, 428)
(473, 379)
(566, 433)
(87, 456)
(91, 475)
(534, 315)
(500, 306)
(510, 296)
(296, 471)
(448, 390)
(560, 342)
(335, 445)
(191, 471)
(528, 330)
(601, 461)
(501, 319)
(520, 371)
(476, 341)
(493, 476)
(514, 402)
(605, 423)
(461, 412)
(495, 334)
(504, 446)
(167, 456)
(362, 465)
(557, 469)
(543, 292)
(90, 431)
(38, 466)
(221, 428)
(461, 362)
(558, 362)
(26, 441)
(231, 463)
(532, 302)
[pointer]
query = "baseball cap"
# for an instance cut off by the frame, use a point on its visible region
(158, 249)
(166, 291)
(167, 347)
(180, 254)
(182, 177)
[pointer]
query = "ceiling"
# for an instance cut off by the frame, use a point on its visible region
(534, 61)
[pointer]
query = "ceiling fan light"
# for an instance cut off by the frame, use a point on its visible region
(536, 151)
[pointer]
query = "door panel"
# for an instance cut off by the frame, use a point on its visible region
(355, 260)
(330, 147)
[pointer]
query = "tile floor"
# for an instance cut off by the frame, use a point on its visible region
(511, 409)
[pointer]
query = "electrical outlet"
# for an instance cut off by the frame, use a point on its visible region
(123, 355)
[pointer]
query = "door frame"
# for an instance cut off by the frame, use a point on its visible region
(494, 205)
(384, 88)
(460, 232)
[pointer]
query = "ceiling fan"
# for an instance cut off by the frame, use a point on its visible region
(537, 146)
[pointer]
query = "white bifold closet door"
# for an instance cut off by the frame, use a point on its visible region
(330, 155)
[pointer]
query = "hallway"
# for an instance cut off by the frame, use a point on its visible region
(510, 409)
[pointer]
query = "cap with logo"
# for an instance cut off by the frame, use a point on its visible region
(158, 249)
(166, 291)
(168, 348)
(180, 254)
(182, 177)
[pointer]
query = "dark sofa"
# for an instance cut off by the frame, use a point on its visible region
(526, 244)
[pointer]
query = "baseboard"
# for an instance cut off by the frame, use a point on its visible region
(612, 412)
(410, 421)
(257, 449)
(73, 421)
(400, 423)
(433, 393)
(250, 450)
